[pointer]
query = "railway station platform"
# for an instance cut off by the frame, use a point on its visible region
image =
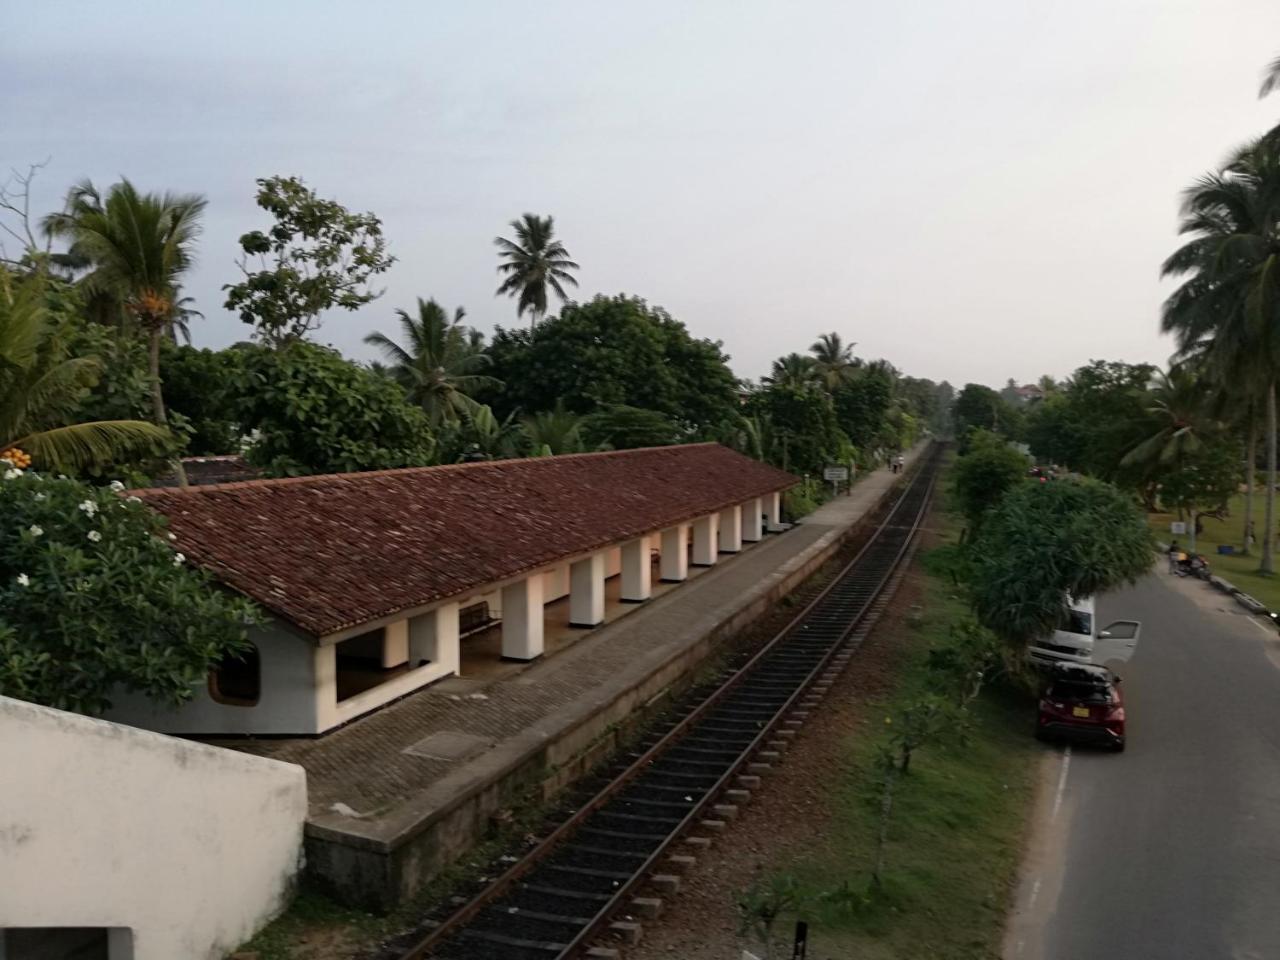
(399, 794)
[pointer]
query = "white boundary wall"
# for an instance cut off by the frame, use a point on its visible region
(193, 847)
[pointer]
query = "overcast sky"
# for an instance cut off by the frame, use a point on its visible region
(972, 190)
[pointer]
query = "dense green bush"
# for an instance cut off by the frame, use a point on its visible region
(314, 412)
(1045, 542)
(94, 597)
(981, 477)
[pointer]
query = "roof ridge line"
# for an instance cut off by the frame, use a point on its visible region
(401, 471)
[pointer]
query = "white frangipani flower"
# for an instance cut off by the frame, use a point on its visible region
(95, 536)
(13, 473)
(89, 507)
(24, 580)
(179, 559)
(173, 536)
(39, 497)
(117, 486)
(133, 499)
(35, 530)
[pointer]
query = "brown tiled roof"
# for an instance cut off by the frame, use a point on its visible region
(332, 552)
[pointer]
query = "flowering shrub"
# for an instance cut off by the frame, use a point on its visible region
(93, 597)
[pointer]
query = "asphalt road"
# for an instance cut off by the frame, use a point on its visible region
(1172, 848)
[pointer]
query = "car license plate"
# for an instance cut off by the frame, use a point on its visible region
(1079, 711)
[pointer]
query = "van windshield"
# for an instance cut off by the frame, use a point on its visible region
(1077, 621)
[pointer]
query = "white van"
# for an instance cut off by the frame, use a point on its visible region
(1078, 639)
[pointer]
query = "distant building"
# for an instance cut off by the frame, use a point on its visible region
(373, 579)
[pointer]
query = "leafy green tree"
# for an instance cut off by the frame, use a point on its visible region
(532, 262)
(1203, 480)
(315, 412)
(94, 598)
(619, 427)
(317, 256)
(613, 350)
(1045, 542)
(42, 384)
(984, 474)
(861, 406)
(805, 434)
(978, 408)
(200, 388)
(834, 360)
(439, 365)
(138, 246)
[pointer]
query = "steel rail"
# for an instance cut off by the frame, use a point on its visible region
(921, 480)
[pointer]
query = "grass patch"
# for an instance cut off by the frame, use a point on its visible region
(957, 831)
(1239, 569)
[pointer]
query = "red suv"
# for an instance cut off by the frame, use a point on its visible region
(1082, 702)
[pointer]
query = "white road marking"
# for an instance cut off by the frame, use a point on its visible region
(1062, 784)
(1266, 630)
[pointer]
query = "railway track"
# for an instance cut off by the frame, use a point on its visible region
(566, 892)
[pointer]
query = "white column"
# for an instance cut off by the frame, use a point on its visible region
(395, 644)
(637, 571)
(752, 525)
(773, 512)
(433, 638)
(704, 541)
(522, 619)
(325, 687)
(674, 566)
(586, 591)
(730, 539)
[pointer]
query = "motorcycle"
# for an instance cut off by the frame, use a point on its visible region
(1193, 565)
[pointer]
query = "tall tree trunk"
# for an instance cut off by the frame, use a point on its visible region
(1251, 456)
(1269, 513)
(157, 396)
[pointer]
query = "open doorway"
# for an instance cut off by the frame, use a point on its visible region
(366, 661)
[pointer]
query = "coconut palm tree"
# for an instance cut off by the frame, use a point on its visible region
(531, 263)
(40, 384)
(138, 245)
(1231, 292)
(1176, 405)
(439, 364)
(795, 371)
(834, 359)
(179, 322)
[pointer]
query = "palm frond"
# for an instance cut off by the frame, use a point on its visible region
(84, 444)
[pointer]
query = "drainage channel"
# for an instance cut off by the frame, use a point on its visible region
(639, 830)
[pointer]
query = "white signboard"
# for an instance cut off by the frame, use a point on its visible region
(840, 474)
(1178, 526)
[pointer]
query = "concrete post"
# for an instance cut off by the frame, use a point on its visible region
(433, 637)
(522, 617)
(752, 520)
(586, 591)
(730, 539)
(674, 566)
(773, 512)
(637, 571)
(704, 541)
(395, 644)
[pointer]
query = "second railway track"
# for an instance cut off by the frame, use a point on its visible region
(564, 893)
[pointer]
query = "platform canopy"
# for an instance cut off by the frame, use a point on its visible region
(332, 552)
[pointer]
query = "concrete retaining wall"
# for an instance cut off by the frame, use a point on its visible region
(184, 850)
